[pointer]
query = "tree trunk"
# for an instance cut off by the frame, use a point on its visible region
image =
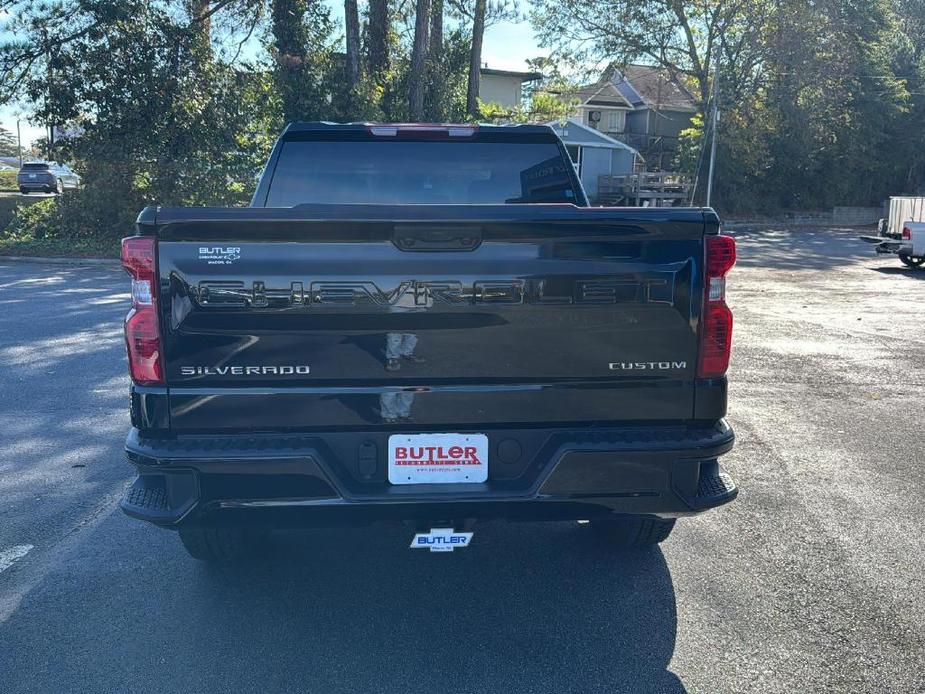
(352, 22)
(475, 58)
(377, 41)
(436, 31)
(435, 97)
(417, 76)
(289, 41)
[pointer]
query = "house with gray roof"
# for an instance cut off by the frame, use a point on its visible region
(644, 106)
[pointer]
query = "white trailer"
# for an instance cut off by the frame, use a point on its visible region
(903, 232)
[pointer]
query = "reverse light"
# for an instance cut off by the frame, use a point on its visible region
(716, 323)
(142, 333)
(907, 233)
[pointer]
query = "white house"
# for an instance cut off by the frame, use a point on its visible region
(595, 154)
(504, 87)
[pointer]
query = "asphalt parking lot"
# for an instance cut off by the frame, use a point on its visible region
(811, 581)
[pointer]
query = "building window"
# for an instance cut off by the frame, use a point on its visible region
(613, 121)
(607, 120)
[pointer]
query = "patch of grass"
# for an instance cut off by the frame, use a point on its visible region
(60, 248)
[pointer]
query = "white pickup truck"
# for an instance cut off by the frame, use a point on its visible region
(908, 243)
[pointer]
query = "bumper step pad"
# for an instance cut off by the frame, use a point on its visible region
(147, 498)
(161, 498)
(715, 487)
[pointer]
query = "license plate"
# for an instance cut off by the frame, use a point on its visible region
(438, 458)
(31, 175)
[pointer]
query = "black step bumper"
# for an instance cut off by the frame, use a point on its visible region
(340, 478)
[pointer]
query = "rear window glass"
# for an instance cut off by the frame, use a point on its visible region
(35, 167)
(392, 172)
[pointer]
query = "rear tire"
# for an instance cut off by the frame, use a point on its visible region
(632, 531)
(910, 261)
(221, 545)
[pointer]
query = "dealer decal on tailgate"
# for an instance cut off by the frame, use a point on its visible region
(438, 458)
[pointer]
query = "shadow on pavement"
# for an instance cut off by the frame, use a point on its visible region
(63, 387)
(799, 248)
(911, 272)
(526, 608)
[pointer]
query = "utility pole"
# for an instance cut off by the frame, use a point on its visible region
(715, 125)
(19, 142)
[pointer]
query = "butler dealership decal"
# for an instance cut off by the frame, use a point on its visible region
(219, 255)
(436, 455)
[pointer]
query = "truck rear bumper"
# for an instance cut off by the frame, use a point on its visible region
(340, 478)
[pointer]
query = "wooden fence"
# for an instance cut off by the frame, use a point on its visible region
(649, 189)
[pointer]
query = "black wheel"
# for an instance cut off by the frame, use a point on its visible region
(221, 545)
(59, 186)
(632, 531)
(910, 261)
(24, 191)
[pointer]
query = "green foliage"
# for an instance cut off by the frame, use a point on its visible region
(302, 53)
(541, 108)
(543, 100)
(31, 221)
(39, 226)
(163, 121)
(690, 145)
(169, 114)
(446, 99)
(8, 180)
(8, 207)
(8, 145)
(821, 102)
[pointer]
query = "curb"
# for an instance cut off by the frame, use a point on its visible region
(104, 262)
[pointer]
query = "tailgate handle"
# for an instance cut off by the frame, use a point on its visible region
(437, 238)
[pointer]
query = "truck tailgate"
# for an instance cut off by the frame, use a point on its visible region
(443, 317)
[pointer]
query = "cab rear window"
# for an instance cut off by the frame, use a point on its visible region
(419, 172)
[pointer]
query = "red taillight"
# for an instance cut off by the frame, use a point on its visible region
(907, 233)
(716, 324)
(715, 341)
(142, 334)
(721, 255)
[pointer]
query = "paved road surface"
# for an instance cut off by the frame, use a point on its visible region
(811, 581)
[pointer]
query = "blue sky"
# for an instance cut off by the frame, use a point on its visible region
(507, 46)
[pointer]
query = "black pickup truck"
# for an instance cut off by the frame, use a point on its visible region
(425, 324)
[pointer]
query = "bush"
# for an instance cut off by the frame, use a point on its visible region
(32, 221)
(44, 227)
(8, 207)
(86, 213)
(8, 180)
